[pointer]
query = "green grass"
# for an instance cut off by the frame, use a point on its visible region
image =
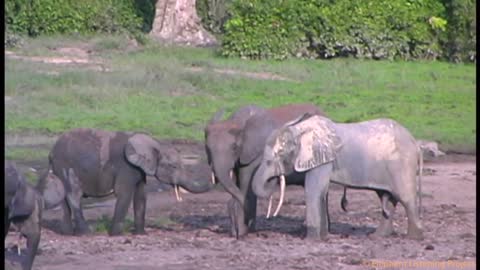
(102, 225)
(25, 153)
(153, 89)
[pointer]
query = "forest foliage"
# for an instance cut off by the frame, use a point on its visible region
(277, 29)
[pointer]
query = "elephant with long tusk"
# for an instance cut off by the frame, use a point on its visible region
(96, 163)
(230, 145)
(379, 155)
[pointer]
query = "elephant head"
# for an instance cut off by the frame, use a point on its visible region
(18, 196)
(164, 163)
(222, 144)
(300, 145)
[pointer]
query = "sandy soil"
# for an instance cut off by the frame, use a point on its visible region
(197, 234)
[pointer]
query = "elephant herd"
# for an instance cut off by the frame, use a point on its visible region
(251, 154)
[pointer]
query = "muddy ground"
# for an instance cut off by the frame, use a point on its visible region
(194, 233)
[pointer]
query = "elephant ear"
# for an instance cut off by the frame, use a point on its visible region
(141, 150)
(316, 140)
(23, 203)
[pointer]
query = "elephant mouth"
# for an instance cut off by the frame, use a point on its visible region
(282, 183)
(214, 178)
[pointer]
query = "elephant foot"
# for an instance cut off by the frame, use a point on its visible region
(251, 225)
(67, 230)
(316, 234)
(139, 232)
(385, 229)
(414, 233)
(82, 230)
(115, 230)
(239, 230)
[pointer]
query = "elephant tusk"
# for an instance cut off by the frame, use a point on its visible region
(177, 195)
(231, 174)
(213, 178)
(282, 194)
(19, 244)
(269, 209)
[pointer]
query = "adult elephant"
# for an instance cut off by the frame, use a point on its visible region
(240, 149)
(221, 145)
(96, 163)
(379, 155)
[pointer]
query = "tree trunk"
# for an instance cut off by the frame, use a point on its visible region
(177, 21)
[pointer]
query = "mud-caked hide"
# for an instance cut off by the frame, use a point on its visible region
(311, 140)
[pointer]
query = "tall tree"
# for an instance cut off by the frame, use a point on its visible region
(177, 21)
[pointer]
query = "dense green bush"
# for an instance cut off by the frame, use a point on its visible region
(36, 17)
(461, 40)
(329, 28)
(214, 14)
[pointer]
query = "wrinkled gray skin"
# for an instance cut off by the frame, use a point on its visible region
(379, 155)
(97, 163)
(221, 145)
(241, 149)
(23, 207)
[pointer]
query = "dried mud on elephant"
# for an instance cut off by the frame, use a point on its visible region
(194, 233)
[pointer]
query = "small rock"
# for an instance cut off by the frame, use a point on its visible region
(429, 247)
(353, 261)
(127, 241)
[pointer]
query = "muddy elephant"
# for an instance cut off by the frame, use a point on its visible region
(23, 207)
(97, 163)
(242, 148)
(379, 155)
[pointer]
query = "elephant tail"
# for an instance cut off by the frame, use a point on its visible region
(419, 180)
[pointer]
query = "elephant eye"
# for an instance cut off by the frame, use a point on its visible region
(269, 162)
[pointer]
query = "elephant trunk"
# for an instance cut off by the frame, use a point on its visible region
(261, 184)
(224, 174)
(196, 182)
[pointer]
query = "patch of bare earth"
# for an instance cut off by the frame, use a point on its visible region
(252, 75)
(65, 56)
(198, 237)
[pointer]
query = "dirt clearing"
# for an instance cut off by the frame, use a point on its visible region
(194, 234)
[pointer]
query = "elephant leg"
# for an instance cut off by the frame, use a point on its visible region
(388, 208)
(7, 223)
(414, 224)
(123, 191)
(316, 189)
(74, 201)
(31, 230)
(81, 225)
(139, 207)
(245, 217)
(67, 226)
(328, 214)
(234, 209)
(250, 208)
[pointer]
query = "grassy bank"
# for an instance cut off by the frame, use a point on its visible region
(172, 92)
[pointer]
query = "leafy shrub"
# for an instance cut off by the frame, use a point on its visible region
(461, 39)
(214, 14)
(264, 29)
(327, 28)
(37, 17)
(12, 39)
(145, 9)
